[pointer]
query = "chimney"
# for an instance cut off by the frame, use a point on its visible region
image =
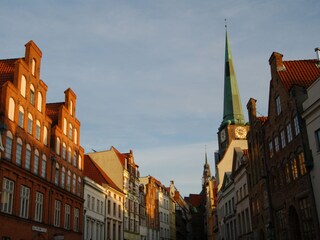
(317, 50)
(276, 62)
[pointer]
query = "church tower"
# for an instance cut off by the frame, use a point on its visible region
(233, 125)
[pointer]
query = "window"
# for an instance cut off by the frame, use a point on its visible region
(88, 201)
(302, 164)
(67, 217)
(56, 179)
(69, 180)
(74, 181)
(70, 131)
(21, 117)
(9, 140)
(278, 105)
(308, 230)
(19, 151)
(92, 203)
(109, 207)
(11, 109)
(30, 123)
(283, 139)
(79, 186)
(45, 135)
(38, 129)
(7, 196)
(80, 162)
(33, 67)
(58, 146)
(317, 135)
(114, 209)
(28, 157)
(289, 132)
(71, 108)
(296, 125)
(32, 94)
(270, 149)
(63, 177)
(24, 201)
(75, 156)
(294, 169)
(23, 86)
(39, 105)
(36, 162)
(44, 166)
(76, 220)
(75, 136)
(69, 155)
(276, 144)
(57, 211)
(38, 207)
(64, 151)
(287, 173)
(65, 126)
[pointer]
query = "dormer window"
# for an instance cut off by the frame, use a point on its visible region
(278, 105)
(33, 67)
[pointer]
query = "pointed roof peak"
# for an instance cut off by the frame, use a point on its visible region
(232, 110)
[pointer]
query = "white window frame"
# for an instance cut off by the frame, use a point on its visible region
(38, 207)
(57, 213)
(67, 215)
(7, 196)
(24, 201)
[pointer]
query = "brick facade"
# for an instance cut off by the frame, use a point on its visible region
(31, 168)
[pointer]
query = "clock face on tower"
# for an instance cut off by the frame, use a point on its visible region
(223, 135)
(241, 132)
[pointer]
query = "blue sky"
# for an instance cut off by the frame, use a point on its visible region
(149, 74)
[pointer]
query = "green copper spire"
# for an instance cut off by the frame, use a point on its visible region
(232, 109)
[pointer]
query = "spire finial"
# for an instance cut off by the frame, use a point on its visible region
(225, 24)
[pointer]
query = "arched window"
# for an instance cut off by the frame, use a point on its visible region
(38, 129)
(79, 186)
(21, 117)
(32, 94)
(33, 67)
(19, 151)
(74, 182)
(9, 140)
(12, 106)
(69, 180)
(63, 177)
(70, 131)
(75, 136)
(39, 103)
(30, 123)
(64, 126)
(23, 86)
(58, 146)
(45, 135)
(69, 155)
(36, 162)
(80, 162)
(28, 157)
(75, 156)
(56, 178)
(71, 108)
(64, 150)
(44, 166)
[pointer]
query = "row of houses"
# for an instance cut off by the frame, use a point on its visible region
(267, 169)
(51, 189)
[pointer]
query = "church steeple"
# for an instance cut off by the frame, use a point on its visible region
(232, 109)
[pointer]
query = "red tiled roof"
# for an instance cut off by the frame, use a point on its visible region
(299, 72)
(52, 110)
(93, 171)
(7, 70)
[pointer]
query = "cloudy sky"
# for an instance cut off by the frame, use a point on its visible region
(148, 74)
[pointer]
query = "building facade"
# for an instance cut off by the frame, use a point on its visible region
(311, 114)
(289, 159)
(40, 177)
